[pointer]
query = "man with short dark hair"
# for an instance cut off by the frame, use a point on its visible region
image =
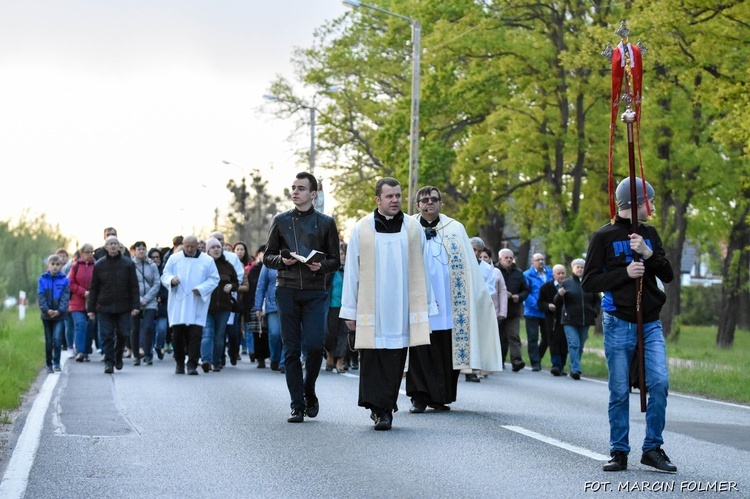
(101, 252)
(301, 293)
(615, 259)
(464, 332)
(387, 298)
(113, 298)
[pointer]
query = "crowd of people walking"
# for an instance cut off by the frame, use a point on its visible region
(404, 286)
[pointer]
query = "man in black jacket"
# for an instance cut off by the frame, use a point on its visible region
(518, 290)
(301, 289)
(113, 298)
(616, 257)
(558, 344)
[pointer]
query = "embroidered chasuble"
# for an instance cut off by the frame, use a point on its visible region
(463, 298)
(386, 289)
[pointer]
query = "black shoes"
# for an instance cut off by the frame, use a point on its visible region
(261, 364)
(440, 407)
(297, 416)
(118, 365)
(109, 368)
(312, 406)
(657, 458)
(575, 375)
(192, 371)
(179, 370)
(137, 361)
(619, 462)
(79, 357)
(274, 366)
(536, 369)
(518, 366)
(472, 378)
(555, 372)
(206, 367)
(417, 407)
(383, 421)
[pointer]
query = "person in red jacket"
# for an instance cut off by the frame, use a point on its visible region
(80, 281)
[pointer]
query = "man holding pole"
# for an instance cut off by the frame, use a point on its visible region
(617, 260)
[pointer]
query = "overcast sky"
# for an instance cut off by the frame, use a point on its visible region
(120, 112)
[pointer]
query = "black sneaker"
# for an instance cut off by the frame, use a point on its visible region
(206, 367)
(179, 370)
(108, 368)
(518, 366)
(118, 365)
(555, 372)
(619, 462)
(297, 416)
(657, 458)
(472, 378)
(575, 375)
(312, 406)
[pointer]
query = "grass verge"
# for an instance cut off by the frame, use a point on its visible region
(696, 365)
(21, 357)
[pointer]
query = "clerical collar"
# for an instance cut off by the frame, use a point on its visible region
(197, 253)
(427, 223)
(388, 224)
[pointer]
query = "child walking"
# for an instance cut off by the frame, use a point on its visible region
(54, 295)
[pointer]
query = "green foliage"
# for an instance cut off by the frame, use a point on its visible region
(701, 305)
(21, 356)
(697, 365)
(24, 245)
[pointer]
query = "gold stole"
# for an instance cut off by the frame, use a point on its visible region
(419, 322)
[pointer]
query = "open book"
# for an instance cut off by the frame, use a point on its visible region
(314, 256)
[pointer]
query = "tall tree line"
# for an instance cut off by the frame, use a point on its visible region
(515, 116)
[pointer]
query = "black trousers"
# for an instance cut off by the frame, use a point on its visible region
(381, 372)
(186, 339)
(431, 378)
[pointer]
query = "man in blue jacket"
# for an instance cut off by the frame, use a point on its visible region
(535, 276)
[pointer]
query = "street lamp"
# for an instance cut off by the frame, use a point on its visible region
(416, 42)
(313, 110)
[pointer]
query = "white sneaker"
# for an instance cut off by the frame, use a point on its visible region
(71, 352)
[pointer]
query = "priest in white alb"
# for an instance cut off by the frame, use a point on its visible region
(387, 297)
(190, 276)
(464, 333)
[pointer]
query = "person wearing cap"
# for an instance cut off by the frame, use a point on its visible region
(616, 257)
(579, 311)
(190, 276)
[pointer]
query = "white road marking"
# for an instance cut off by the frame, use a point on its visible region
(558, 443)
(16, 476)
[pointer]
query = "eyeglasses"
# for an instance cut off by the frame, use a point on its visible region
(426, 200)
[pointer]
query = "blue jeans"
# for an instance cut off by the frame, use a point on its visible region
(576, 336)
(302, 310)
(70, 331)
(275, 344)
(533, 324)
(142, 333)
(213, 338)
(84, 332)
(161, 332)
(619, 346)
(53, 331)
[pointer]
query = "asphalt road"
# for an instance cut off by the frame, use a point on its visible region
(146, 432)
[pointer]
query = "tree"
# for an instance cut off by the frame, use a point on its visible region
(252, 210)
(24, 246)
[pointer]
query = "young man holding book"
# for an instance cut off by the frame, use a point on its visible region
(301, 293)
